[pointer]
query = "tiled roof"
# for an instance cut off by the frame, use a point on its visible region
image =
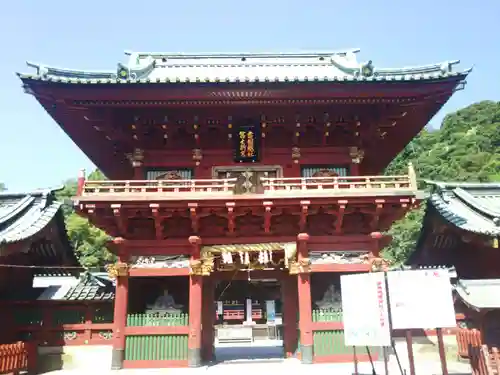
(473, 207)
(156, 67)
(480, 294)
(90, 287)
(25, 214)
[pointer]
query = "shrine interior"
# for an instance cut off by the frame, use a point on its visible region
(157, 295)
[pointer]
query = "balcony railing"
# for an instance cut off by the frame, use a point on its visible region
(134, 187)
(276, 185)
(213, 188)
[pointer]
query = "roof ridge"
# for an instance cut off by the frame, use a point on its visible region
(453, 185)
(35, 193)
(328, 66)
(204, 55)
(17, 208)
(474, 203)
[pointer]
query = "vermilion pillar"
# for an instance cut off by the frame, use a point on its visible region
(195, 308)
(208, 320)
(119, 322)
(305, 304)
(290, 306)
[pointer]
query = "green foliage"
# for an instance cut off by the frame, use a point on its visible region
(88, 241)
(2, 187)
(466, 148)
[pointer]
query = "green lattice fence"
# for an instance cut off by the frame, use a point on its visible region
(327, 315)
(331, 342)
(156, 347)
(157, 320)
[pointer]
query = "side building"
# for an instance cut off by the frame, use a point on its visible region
(236, 173)
(461, 229)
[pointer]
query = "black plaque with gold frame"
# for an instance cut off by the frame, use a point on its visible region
(247, 144)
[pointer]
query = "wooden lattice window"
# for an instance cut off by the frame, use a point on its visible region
(169, 174)
(324, 170)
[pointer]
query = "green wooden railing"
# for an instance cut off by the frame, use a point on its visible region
(331, 342)
(156, 347)
(327, 315)
(157, 320)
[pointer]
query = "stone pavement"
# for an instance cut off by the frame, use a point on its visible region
(284, 367)
(262, 360)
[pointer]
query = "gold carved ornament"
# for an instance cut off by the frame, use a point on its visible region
(201, 267)
(377, 264)
(300, 266)
(118, 269)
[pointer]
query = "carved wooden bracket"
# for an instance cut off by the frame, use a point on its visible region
(377, 264)
(119, 269)
(201, 267)
(340, 216)
(119, 219)
(197, 156)
(376, 214)
(230, 217)
(267, 216)
(304, 210)
(356, 155)
(136, 158)
(155, 209)
(301, 266)
(194, 217)
(295, 154)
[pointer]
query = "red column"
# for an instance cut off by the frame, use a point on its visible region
(305, 304)
(208, 320)
(119, 322)
(290, 307)
(80, 182)
(195, 306)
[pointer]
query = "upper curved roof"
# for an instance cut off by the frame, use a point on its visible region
(23, 215)
(474, 207)
(330, 66)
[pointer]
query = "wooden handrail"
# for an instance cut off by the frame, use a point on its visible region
(339, 182)
(158, 186)
(359, 184)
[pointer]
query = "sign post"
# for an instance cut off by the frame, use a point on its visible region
(376, 303)
(365, 312)
(422, 299)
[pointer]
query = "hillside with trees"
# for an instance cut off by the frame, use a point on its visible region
(465, 148)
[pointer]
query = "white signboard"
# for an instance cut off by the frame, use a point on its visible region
(421, 299)
(364, 305)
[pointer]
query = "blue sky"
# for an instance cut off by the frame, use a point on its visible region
(93, 35)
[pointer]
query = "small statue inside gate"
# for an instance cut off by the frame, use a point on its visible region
(331, 299)
(166, 303)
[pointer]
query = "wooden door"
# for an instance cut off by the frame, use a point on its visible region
(248, 178)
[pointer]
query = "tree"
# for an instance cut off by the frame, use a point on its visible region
(465, 148)
(88, 241)
(2, 187)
